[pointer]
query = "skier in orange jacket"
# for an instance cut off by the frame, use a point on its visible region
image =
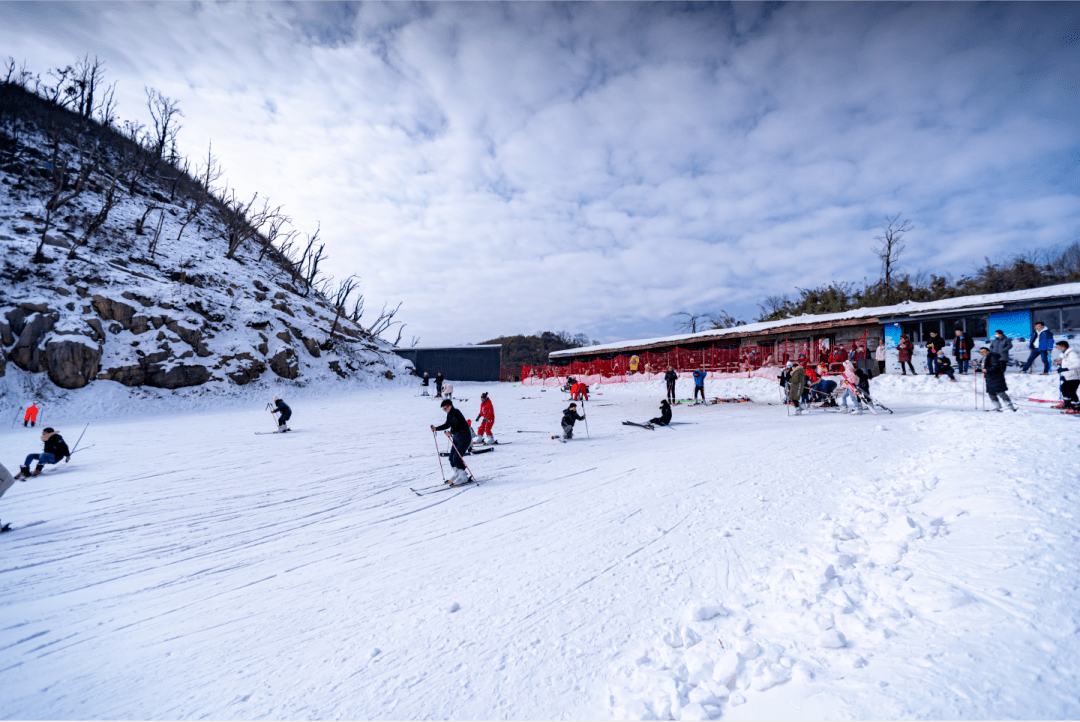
(31, 416)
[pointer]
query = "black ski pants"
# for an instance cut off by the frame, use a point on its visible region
(671, 390)
(460, 444)
(699, 390)
(1068, 390)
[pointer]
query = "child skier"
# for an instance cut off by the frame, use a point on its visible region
(424, 385)
(1069, 370)
(54, 449)
(994, 377)
(457, 428)
(665, 414)
(850, 384)
(570, 415)
(31, 415)
(438, 384)
(487, 419)
(280, 407)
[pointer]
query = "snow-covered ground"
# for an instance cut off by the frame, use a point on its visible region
(915, 565)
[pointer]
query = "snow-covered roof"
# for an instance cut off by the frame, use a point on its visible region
(907, 308)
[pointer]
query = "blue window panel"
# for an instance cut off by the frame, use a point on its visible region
(1015, 324)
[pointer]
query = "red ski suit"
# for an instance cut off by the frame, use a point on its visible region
(487, 411)
(31, 413)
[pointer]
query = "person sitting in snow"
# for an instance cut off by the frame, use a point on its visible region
(849, 384)
(282, 408)
(570, 415)
(944, 366)
(460, 433)
(55, 448)
(665, 414)
(486, 419)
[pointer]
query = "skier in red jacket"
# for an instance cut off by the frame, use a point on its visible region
(487, 413)
(31, 415)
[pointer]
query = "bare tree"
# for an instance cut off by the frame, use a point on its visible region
(385, 321)
(142, 220)
(157, 234)
(892, 245)
(774, 308)
(691, 322)
(725, 320)
(62, 193)
(306, 268)
(86, 78)
(340, 301)
(97, 220)
(165, 113)
(244, 221)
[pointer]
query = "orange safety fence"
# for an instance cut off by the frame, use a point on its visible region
(741, 362)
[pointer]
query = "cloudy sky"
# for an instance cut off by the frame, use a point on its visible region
(594, 167)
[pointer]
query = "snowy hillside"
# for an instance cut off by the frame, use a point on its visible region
(743, 564)
(151, 301)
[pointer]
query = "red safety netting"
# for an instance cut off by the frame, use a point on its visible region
(743, 361)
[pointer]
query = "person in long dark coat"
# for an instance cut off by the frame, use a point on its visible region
(994, 374)
(904, 348)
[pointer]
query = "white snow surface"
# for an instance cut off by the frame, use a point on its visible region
(743, 564)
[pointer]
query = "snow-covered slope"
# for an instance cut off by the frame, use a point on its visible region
(743, 564)
(179, 315)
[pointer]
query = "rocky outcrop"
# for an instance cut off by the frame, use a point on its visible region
(249, 370)
(71, 364)
(177, 377)
(27, 353)
(312, 346)
(285, 364)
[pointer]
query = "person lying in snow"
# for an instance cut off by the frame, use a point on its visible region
(570, 415)
(54, 449)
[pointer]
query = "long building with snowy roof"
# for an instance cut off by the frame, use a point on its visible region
(1015, 313)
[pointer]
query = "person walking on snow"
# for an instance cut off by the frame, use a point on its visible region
(699, 384)
(994, 378)
(785, 381)
(6, 481)
(54, 449)
(1002, 346)
(905, 348)
(1070, 374)
(486, 419)
(796, 386)
(670, 378)
(31, 415)
(879, 356)
(665, 414)
(1042, 341)
(569, 416)
(457, 428)
(280, 407)
(438, 384)
(962, 346)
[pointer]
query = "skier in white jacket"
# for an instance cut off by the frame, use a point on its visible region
(1070, 374)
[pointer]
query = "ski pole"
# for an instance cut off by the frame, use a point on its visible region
(462, 457)
(16, 417)
(587, 436)
(438, 455)
(85, 448)
(80, 439)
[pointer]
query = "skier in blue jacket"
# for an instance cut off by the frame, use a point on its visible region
(699, 384)
(1041, 344)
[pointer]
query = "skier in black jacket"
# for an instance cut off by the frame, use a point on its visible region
(438, 384)
(54, 449)
(457, 428)
(665, 414)
(671, 377)
(280, 407)
(569, 416)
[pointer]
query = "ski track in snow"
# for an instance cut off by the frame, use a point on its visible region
(914, 565)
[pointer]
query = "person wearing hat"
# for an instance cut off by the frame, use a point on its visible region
(280, 407)
(31, 415)
(665, 414)
(699, 384)
(796, 386)
(994, 376)
(486, 419)
(570, 415)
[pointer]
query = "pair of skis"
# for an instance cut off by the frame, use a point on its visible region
(425, 490)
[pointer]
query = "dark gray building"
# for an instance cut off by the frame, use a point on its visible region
(456, 363)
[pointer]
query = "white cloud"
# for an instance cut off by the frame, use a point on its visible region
(593, 167)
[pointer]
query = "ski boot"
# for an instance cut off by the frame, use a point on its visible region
(24, 473)
(38, 470)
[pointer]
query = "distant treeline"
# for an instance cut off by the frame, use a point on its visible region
(533, 350)
(1030, 269)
